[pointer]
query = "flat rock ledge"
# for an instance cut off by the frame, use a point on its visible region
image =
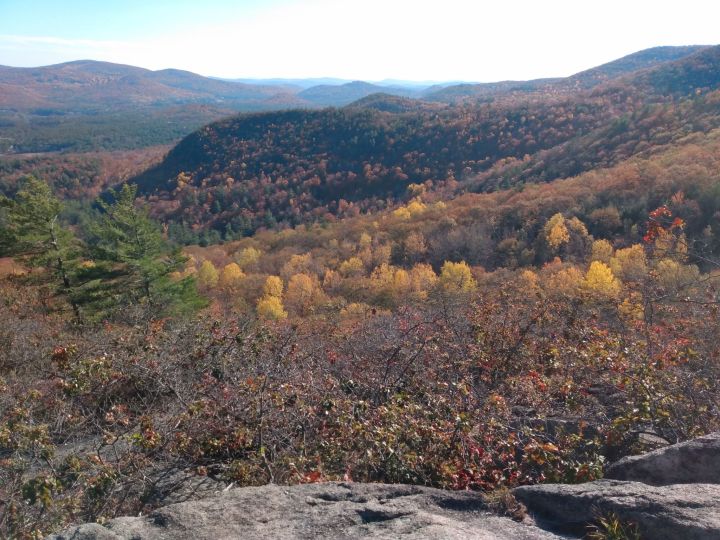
(318, 511)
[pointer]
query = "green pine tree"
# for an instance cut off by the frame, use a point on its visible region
(35, 234)
(7, 238)
(129, 247)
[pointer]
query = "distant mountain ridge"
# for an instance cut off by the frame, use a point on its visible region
(587, 79)
(338, 96)
(644, 59)
(87, 85)
(90, 105)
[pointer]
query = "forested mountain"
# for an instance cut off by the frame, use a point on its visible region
(587, 79)
(382, 101)
(298, 166)
(90, 86)
(644, 59)
(88, 105)
(514, 287)
(344, 94)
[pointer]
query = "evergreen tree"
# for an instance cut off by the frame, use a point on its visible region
(137, 260)
(7, 238)
(33, 232)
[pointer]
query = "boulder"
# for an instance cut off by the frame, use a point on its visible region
(687, 511)
(316, 511)
(695, 461)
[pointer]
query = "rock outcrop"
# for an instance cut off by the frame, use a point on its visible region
(318, 511)
(669, 493)
(691, 462)
(687, 511)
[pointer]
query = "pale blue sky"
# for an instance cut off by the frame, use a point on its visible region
(477, 40)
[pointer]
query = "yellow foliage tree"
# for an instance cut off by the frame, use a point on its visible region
(574, 225)
(528, 280)
(565, 282)
(230, 276)
(556, 232)
(416, 189)
(271, 308)
(353, 267)
(207, 276)
(422, 280)
(298, 264)
(382, 276)
(414, 208)
(401, 282)
(456, 277)
(273, 287)
(303, 294)
(601, 280)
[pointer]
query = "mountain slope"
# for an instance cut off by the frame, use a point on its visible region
(584, 80)
(695, 73)
(644, 59)
(460, 92)
(292, 167)
(88, 105)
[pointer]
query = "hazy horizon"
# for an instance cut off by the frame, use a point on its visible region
(458, 40)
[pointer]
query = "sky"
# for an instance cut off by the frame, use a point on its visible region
(422, 40)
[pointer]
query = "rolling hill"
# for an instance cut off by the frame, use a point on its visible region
(87, 105)
(344, 94)
(297, 166)
(584, 80)
(89, 86)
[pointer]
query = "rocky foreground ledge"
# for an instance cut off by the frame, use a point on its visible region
(313, 511)
(679, 499)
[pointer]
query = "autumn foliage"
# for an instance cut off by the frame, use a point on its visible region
(451, 297)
